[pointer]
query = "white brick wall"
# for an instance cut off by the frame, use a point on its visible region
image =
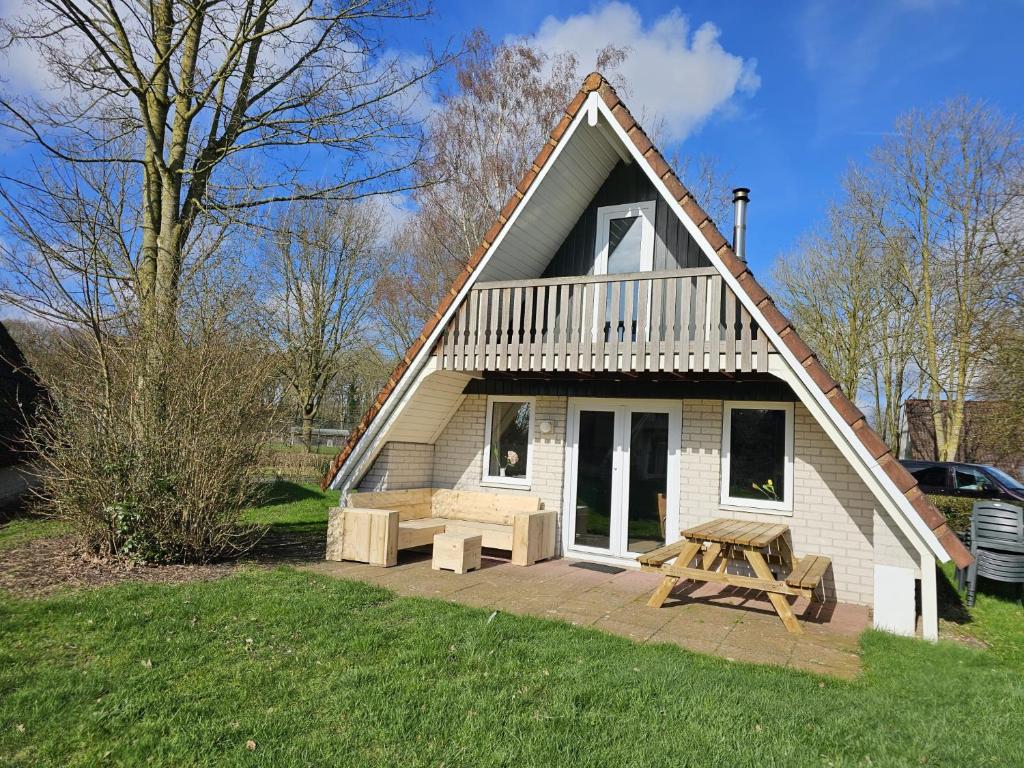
(399, 466)
(458, 454)
(834, 514)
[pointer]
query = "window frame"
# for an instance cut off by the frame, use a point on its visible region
(605, 213)
(497, 481)
(783, 507)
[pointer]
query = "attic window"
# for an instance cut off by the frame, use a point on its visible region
(625, 239)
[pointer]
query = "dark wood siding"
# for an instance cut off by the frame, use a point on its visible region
(673, 246)
(756, 387)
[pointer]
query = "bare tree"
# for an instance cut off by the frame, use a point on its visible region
(830, 287)
(171, 125)
(203, 110)
(936, 221)
(944, 192)
(323, 260)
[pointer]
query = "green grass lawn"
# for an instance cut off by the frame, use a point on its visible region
(14, 533)
(293, 507)
(317, 671)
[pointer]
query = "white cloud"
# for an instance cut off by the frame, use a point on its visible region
(677, 77)
(22, 69)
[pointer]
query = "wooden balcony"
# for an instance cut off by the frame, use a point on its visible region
(680, 320)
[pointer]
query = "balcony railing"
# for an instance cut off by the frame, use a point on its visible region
(681, 320)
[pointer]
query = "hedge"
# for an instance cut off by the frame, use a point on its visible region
(956, 509)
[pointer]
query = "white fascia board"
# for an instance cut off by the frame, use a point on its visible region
(803, 384)
(369, 442)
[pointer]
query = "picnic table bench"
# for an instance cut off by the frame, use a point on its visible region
(719, 542)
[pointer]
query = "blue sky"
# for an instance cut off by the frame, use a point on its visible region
(784, 94)
(833, 76)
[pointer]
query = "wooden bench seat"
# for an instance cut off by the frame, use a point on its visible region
(808, 572)
(374, 526)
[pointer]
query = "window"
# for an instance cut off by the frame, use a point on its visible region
(972, 481)
(757, 455)
(931, 477)
(509, 433)
(625, 239)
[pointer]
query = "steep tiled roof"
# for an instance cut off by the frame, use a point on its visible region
(847, 411)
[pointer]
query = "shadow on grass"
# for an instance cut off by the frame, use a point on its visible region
(285, 492)
(951, 603)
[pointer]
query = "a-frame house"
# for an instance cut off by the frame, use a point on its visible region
(607, 351)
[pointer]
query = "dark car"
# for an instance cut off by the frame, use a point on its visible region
(975, 481)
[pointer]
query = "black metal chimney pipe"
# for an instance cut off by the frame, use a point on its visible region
(740, 198)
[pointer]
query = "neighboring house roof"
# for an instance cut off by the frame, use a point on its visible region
(975, 446)
(840, 408)
(19, 393)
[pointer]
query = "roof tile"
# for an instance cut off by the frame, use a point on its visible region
(867, 436)
(715, 238)
(847, 409)
(561, 128)
(657, 162)
(732, 262)
(778, 321)
(753, 288)
(624, 118)
(931, 516)
(819, 375)
(576, 103)
(675, 186)
(640, 139)
(796, 345)
(956, 549)
(692, 209)
(903, 479)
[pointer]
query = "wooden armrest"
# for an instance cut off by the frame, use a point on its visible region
(533, 536)
(363, 534)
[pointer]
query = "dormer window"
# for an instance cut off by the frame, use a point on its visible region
(625, 239)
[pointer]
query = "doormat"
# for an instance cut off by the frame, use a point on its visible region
(599, 567)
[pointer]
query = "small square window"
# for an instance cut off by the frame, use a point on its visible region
(507, 448)
(757, 455)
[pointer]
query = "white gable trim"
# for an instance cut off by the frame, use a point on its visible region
(892, 499)
(367, 448)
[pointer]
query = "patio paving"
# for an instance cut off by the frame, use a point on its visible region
(724, 621)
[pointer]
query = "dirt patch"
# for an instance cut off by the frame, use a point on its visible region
(44, 566)
(958, 633)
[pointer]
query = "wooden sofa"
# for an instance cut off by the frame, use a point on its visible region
(375, 525)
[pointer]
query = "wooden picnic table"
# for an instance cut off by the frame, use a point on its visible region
(721, 541)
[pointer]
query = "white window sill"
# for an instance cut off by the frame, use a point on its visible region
(505, 482)
(755, 510)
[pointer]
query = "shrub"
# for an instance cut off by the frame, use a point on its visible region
(956, 509)
(164, 487)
